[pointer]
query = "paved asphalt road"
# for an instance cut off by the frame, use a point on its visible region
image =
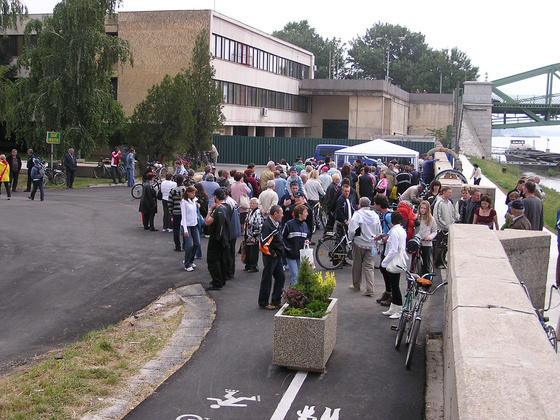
(80, 261)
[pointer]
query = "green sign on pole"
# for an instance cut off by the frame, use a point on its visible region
(53, 137)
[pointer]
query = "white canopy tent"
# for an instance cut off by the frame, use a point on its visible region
(378, 149)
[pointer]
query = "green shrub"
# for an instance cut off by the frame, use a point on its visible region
(310, 295)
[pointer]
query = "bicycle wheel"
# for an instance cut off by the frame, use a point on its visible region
(412, 344)
(99, 171)
(136, 191)
(323, 216)
(551, 334)
(403, 320)
(330, 253)
(122, 174)
(59, 178)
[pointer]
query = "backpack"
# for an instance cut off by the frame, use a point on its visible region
(235, 223)
(40, 174)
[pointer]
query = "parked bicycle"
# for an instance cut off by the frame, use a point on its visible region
(334, 248)
(414, 248)
(548, 329)
(319, 217)
(102, 171)
(55, 175)
(137, 189)
(417, 291)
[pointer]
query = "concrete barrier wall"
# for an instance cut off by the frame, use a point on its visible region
(497, 359)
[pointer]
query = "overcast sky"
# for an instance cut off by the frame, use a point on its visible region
(501, 38)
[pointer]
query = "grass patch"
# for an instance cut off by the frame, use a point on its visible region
(508, 180)
(68, 383)
(79, 182)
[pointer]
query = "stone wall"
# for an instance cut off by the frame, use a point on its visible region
(497, 359)
(476, 140)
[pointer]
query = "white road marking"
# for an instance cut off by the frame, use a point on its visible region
(289, 396)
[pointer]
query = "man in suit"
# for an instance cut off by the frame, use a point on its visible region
(71, 166)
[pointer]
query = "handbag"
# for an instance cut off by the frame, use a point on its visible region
(244, 202)
(398, 260)
(159, 195)
(307, 252)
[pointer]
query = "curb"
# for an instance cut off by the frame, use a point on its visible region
(198, 318)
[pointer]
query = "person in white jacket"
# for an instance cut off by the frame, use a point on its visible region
(363, 228)
(396, 244)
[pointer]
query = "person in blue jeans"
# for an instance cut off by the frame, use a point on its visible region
(37, 174)
(296, 235)
(189, 223)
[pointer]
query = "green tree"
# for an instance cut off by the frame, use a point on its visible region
(69, 86)
(181, 113)
(206, 96)
(413, 65)
(164, 119)
(11, 12)
(329, 53)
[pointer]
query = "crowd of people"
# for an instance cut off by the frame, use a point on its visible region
(267, 217)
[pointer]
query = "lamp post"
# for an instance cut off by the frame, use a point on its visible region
(440, 79)
(389, 43)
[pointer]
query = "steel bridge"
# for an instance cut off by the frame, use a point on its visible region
(526, 111)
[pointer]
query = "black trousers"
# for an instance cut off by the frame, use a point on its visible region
(14, 176)
(70, 175)
(217, 259)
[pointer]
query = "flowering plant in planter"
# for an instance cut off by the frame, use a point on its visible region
(309, 297)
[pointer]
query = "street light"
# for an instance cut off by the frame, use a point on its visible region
(389, 43)
(440, 78)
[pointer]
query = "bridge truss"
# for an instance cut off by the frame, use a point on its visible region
(526, 111)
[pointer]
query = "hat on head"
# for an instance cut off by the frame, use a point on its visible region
(219, 194)
(423, 185)
(299, 194)
(35, 160)
(125, 149)
(324, 168)
(517, 205)
(293, 168)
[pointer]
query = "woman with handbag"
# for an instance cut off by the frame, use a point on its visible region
(382, 184)
(189, 223)
(253, 227)
(296, 235)
(395, 256)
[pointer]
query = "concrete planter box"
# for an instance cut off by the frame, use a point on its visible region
(302, 343)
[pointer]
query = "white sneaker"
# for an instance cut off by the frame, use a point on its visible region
(392, 309)
(193, 265)
(189, 269)
(397, 314)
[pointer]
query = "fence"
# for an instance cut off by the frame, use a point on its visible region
(260, 150)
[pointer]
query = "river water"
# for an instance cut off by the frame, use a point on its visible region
(549, 143)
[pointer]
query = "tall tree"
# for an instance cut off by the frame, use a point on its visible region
(329, 53)
(69, 86)
(11, 11)
(413, 65)
(206, 96)
(181, 113)
(163, 120)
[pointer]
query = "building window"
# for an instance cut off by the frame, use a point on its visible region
(335, 129)
(251, 96)
(230, 50)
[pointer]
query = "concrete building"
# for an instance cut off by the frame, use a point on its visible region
(267, 83)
